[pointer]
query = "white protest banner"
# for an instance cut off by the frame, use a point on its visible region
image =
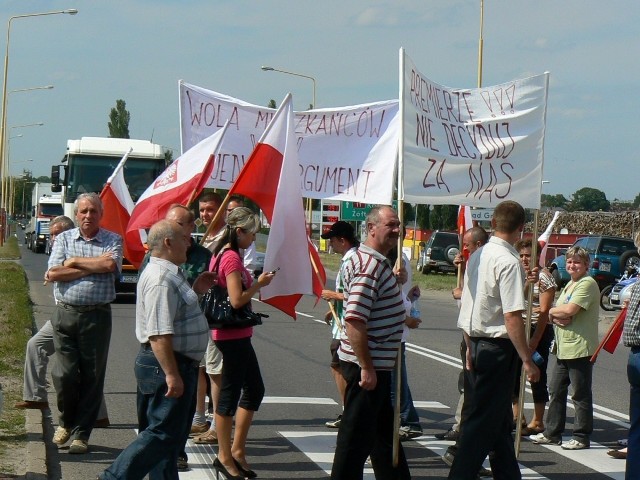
(346, 153)
(473, 147)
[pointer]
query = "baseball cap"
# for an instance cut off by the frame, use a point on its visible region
(340, 229)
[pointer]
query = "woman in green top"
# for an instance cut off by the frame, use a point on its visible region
(575, 320)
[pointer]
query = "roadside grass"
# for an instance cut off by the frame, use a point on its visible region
(15, 324)
(432, 281)
(10, 250)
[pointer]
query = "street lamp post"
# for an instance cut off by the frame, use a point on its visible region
(4, 167)
(3, 117)
(6, 162)
(271, 69)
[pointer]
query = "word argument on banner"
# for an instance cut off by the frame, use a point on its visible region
(344, 153)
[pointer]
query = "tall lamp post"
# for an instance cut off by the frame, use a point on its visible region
(3, 118)
(313, 105)
(5, 186)
(271, 69)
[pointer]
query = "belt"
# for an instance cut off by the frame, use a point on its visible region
(81, 308)
(179, 356)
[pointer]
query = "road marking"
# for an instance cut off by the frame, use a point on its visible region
(431, 405)
(440, 446)
(319, 447)
(300, 400)
(595, 458)
(456, 362)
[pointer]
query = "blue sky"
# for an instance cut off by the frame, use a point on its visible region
(137, 50)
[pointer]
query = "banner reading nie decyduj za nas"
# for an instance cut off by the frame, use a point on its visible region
(473, 147)
(346, 153)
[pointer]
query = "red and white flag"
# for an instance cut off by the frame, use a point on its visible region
(181, 182)
(271, 179)
(544, 239)
(612, 338)
(117, 207)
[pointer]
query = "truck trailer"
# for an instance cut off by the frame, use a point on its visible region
(88, 164)
(45, 206)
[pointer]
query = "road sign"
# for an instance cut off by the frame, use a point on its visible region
(355, 211)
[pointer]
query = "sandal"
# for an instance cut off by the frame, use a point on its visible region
(527, 430)
(208, 438)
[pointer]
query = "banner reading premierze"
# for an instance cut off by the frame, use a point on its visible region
(473, 147)
(346, 153)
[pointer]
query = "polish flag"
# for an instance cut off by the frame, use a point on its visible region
(270, 179)
(465, 222)
(181, 182)
(117, 207)
(544, 239)
(612, 338)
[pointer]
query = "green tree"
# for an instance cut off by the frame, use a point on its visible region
(590, 200)
(444, 217)
(272, 104)
(423, 217)
(553, 201)
(636, 201)
(119, 120)
(168, 157)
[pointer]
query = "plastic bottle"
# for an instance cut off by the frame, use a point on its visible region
(537, 359)
(415, 309)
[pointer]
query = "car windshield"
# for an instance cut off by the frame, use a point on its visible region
(441, 239)
(51, 209)
(615, 247)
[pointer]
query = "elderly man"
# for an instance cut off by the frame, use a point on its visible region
(491, 320)
(173, 335)
(83, 264)
(40, 348)
(374, 317)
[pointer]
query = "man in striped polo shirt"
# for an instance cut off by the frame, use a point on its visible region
(374, 316)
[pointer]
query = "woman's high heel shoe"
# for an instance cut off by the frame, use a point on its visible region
(220, 468)
(248, 473)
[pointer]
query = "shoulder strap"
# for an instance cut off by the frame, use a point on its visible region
(216, 264)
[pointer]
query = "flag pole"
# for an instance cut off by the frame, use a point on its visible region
(216, 217)
(400, 172)
(119, 167)
(316, 271)
(527, 330)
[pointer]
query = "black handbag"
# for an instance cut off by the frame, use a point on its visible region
(216, 306)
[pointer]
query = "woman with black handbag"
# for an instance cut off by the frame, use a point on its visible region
(242, 388)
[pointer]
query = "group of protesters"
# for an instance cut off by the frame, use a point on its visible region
(181, 358)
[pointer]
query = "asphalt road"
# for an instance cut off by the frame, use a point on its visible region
(289, 440)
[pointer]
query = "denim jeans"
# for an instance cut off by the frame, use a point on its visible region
(577, 372)
(163, 423)
(408, 414)
(633, 452)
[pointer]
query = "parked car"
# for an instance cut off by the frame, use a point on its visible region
(610, 256)
(438, 253)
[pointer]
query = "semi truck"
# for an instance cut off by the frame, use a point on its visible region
(45, 205)
(87, 165)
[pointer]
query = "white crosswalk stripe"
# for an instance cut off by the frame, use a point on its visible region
(319, 446)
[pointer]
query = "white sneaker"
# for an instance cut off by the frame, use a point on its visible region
(540, 439)
(61, 436)
(79, 446)
(574, 444)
